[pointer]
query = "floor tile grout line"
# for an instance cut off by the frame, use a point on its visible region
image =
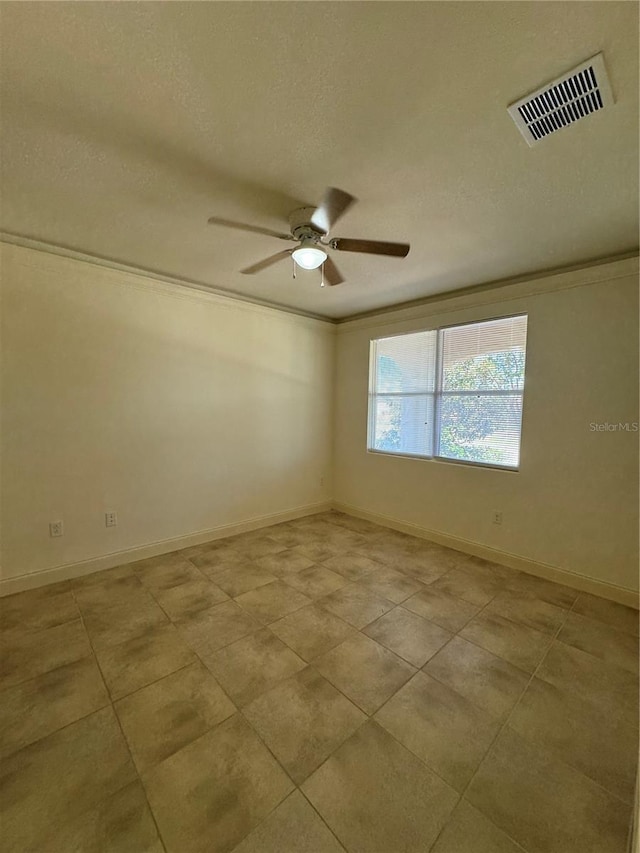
(128, 640)
(450, 818)
(478, 646)
(453, 689)
(202, 734)
(504, 587)
(275, 757)
(171, 618)
(553, 639)
(352, 701)
(501, 729)
(556, 639)
(471, 642)
(239, 711)
(306, 662)
(61, 728)
(349, 699)
(550, 643)
(343, 844)
(481, 611)
(116, 699)
(418, 667)
(506, 722)
(508, 717)
(422, 761)
(53, 668)
(395, 605)
(325, 651)
(109, 704)
(368, 717)
(124, 737)
(412, 753)
(603, 624)
(361, 631)
(547, 749)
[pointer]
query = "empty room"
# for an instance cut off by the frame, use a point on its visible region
(319, 427)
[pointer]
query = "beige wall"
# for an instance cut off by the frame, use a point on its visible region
(181, 411)
(187, 413)
(573, 504)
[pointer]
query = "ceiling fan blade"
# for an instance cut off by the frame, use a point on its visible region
(261, 265)
(372, 247)
(334, 204)
(241, 226)
(331, 273)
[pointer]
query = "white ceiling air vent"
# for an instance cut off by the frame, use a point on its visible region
(578, 93)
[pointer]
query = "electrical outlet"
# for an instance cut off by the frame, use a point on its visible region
(110, 519)
(497, 517)
(56, 528)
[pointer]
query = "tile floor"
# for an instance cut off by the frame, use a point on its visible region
(320, 686)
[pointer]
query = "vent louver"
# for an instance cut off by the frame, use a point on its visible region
(574, 96)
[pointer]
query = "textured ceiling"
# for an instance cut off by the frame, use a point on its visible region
(126, 125)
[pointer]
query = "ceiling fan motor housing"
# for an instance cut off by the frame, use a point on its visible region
(300, 223)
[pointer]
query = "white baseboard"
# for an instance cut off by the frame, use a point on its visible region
(622, 595)
(8, 586)
(543, 570)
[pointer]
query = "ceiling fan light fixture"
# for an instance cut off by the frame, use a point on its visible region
(309, 255)
(307, 227)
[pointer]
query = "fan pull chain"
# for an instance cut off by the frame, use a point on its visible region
(294, 266)
(322, 276)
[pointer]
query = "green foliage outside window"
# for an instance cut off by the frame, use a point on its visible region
(389, 414)
(468, 423)
(472, 427)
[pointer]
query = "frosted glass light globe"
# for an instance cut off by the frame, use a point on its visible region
(309, 255)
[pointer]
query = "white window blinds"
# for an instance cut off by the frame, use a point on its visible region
(402, 394)
(482, 383)
(453, 393)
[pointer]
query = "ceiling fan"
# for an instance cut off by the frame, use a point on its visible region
(310, 227)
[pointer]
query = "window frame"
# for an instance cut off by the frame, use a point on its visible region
(437, 397)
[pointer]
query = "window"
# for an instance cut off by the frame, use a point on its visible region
(453, 393)
(403, 394)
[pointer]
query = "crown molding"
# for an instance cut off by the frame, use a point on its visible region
(157, 281)
(532, 284)
(594, 272)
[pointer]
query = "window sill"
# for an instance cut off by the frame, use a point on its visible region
(443, 460)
